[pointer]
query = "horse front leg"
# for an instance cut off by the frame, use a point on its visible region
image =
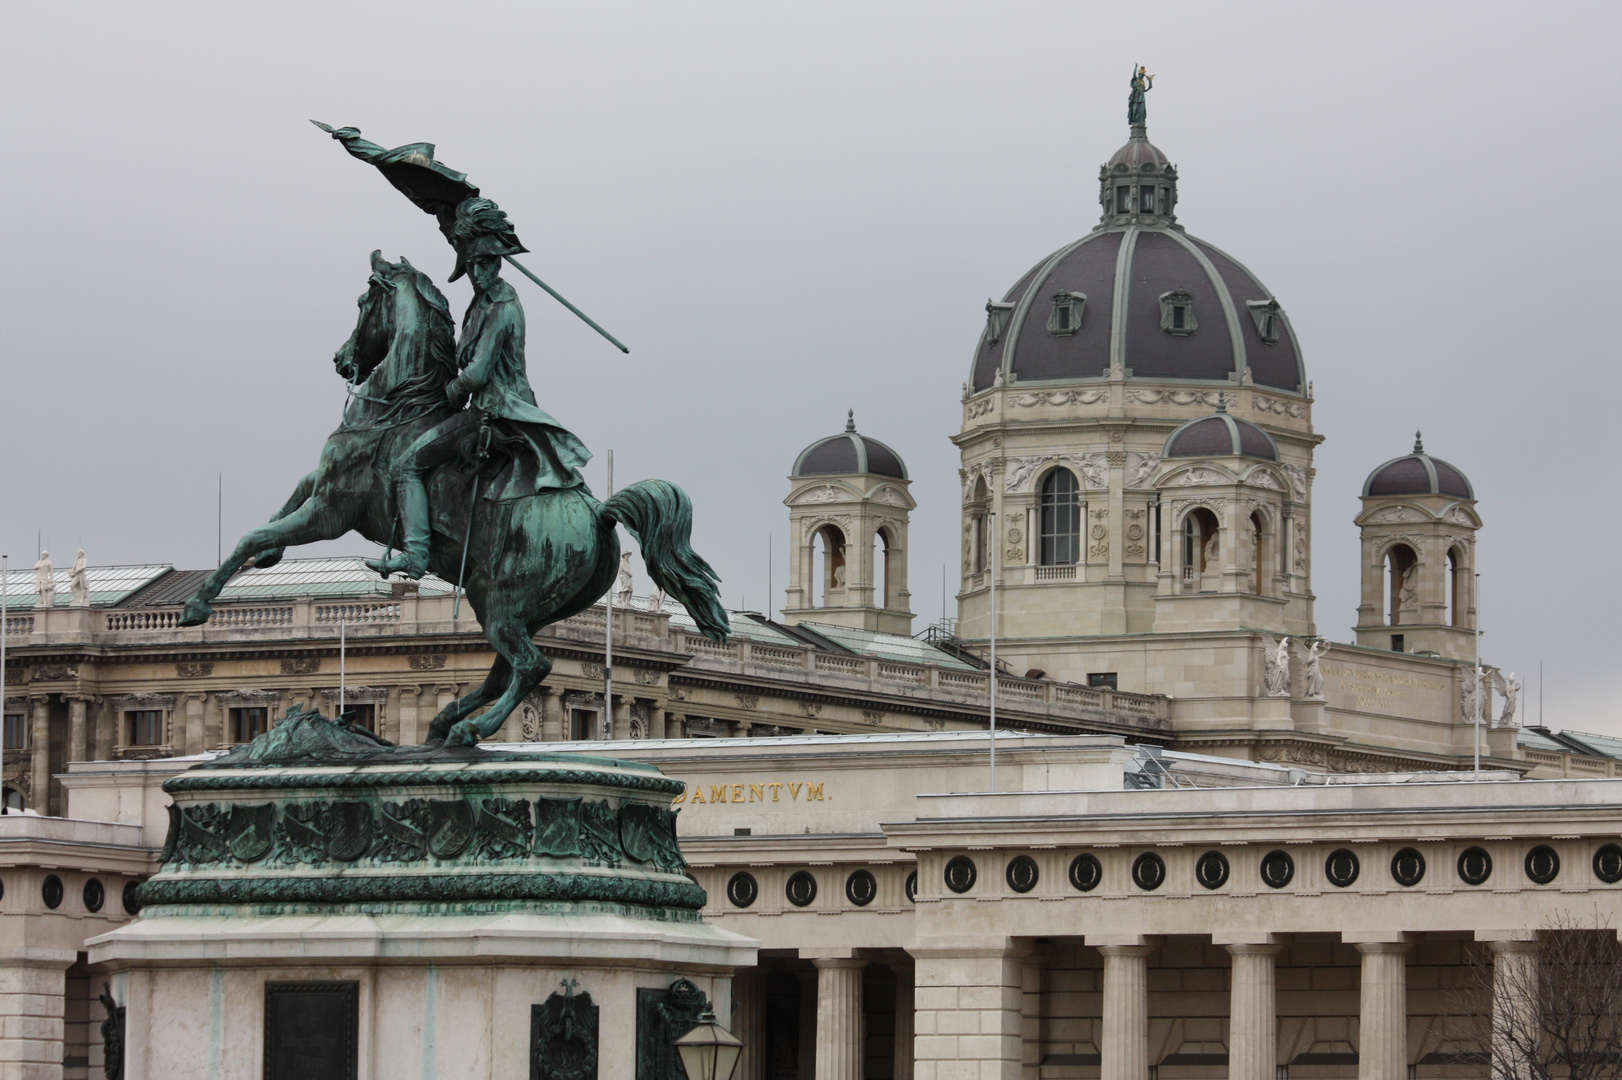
(492, 687)
(314, 520)
(264, 560)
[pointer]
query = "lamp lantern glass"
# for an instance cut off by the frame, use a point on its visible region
(709, 1051)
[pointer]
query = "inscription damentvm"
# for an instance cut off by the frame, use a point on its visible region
(699, 794)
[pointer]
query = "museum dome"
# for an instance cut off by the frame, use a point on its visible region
(849, 452)
(1140, 294)
(1220, 435)
(1417, 474)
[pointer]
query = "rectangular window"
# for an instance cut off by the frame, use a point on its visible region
(1062, 316)
(1396, 643)
(1179, 317)
(1123, 199)
(1103, 680)
(582, 724)
(16, 734)
(1146, 199)
(365, 714)
(248, 724)
(144, 727)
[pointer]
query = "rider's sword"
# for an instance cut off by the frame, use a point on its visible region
(467, 535)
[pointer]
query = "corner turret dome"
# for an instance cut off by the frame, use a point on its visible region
(1220, 435)
(849, 452)
(1418, 474)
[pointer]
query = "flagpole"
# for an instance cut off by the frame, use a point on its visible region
(991, 533)
(1477, 599)
(608, 621)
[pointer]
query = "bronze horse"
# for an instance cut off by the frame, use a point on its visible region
(531, 560)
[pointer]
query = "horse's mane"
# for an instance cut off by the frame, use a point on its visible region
(429, 348)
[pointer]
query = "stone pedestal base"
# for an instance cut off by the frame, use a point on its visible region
(437, 996)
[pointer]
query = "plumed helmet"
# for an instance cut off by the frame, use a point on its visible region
(481, 228)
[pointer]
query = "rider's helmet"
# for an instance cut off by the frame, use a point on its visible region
(481, 228)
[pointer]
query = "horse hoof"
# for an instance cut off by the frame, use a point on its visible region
(196, 613)
(266, 559)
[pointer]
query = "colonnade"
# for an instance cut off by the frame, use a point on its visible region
(973, 1009)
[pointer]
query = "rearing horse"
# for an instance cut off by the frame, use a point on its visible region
(531, 561)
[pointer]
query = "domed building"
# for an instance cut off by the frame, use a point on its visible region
(848, 511)
(1418, 528)
(1137, 459)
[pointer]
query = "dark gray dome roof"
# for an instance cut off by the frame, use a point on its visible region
(1220, 435)
(849, 452)
(1418, 474)
(1140, 258)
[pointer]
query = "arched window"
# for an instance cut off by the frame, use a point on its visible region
(1402, 582)
(828, 566)
(881, 569)
(1257, 539)
(12, 799)
(1455, 583)
(1202, 547)
(1061, 519)
(979, 555)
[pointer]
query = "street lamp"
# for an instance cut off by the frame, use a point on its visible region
(709, 1051)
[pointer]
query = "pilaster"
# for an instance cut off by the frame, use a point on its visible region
(969, 1016)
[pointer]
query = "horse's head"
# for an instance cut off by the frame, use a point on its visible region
(368, 344)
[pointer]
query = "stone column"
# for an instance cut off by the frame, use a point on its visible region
(193, 732)
(656, 720)
(622, 717)
(749, 1023)
(968, 1014)
(839, 1018)
(76, 728)
(551, 715)
(905, 1003)
(1124, 1038)
(410, 704)
(33, 992)
(1514, 1007)
(1253, 1020)
(40, 760)
(1383, 1044)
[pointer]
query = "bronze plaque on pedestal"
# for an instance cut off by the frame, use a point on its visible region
(311, 1030)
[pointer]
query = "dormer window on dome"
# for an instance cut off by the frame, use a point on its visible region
(1264, 313)
(997, 316)
(1177, 312)
(1065, 318)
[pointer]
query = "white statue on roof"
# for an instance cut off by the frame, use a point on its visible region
(1510, 687)
(45, 580)
(622, 587)
(79, 582)
(1276, 666)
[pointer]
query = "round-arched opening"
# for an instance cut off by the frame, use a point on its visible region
(828, 567)
(1258, 539)
(1402, 585)
(13, 800)
(977, 559)
(1060, 526)
(883, 589)
(1455, 583)
(1202, 548)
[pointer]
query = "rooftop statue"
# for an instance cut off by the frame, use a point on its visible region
(444, 449)
(1137, 111)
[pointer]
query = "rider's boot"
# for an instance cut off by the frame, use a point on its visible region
(412, 561)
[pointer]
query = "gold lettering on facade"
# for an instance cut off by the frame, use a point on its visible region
(751, 792)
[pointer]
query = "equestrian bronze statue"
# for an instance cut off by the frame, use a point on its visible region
(444, 453)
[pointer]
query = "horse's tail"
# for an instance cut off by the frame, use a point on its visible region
(660, 516)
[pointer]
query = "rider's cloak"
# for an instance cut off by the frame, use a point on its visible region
(547, 456)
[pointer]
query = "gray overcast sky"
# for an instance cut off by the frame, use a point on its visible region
(789, 210)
